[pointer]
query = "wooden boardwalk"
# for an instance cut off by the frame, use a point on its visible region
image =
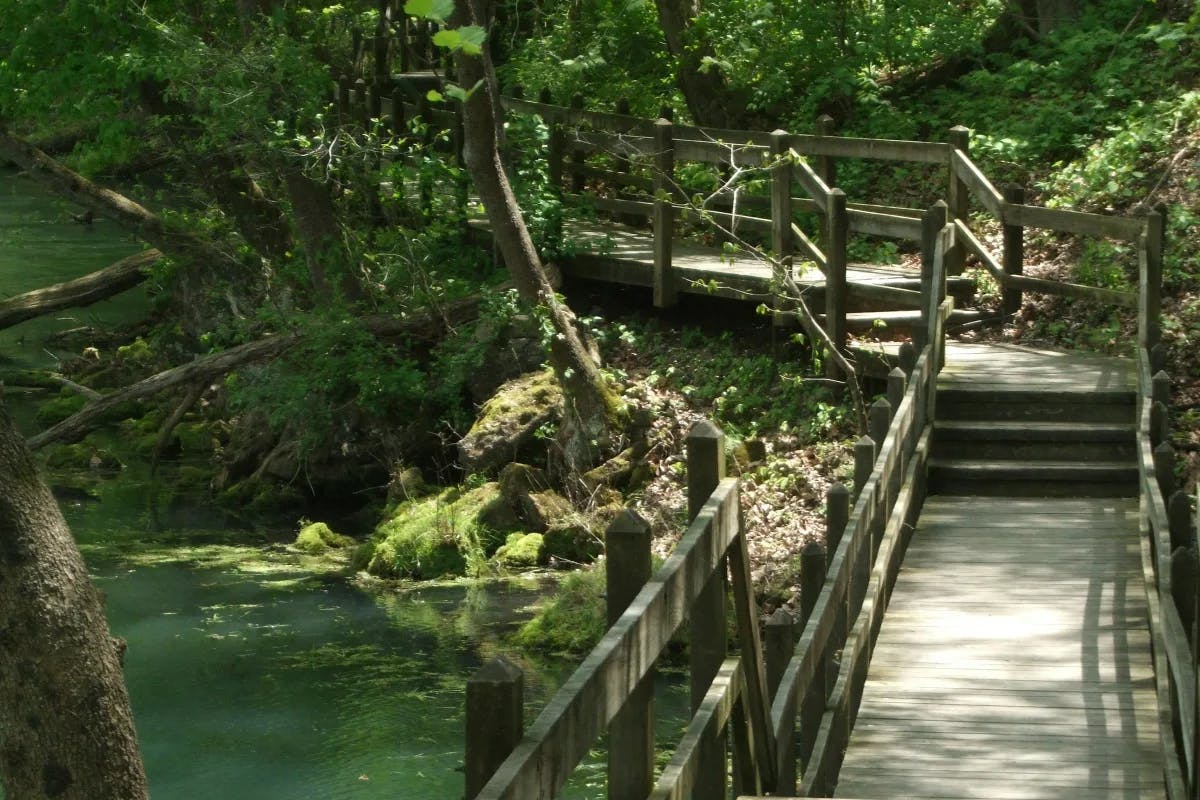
(1014, 661)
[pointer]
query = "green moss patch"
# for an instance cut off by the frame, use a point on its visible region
(441, 535)
(573, 620)
(521, 550)
(317, 537)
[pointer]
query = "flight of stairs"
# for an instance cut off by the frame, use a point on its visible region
(1033, 442)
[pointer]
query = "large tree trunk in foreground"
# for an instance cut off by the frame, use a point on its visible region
(708, 96)
(324, 245)
(591, 407)
(66, 730)
(104, 202)
(91, 288)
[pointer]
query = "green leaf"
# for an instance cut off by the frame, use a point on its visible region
(449, 39)
(436, 10)
(472, 37)
(434, 96)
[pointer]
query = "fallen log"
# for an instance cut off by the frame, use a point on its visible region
(41, 379)
(91, 288)
(105, 202)
(425, 325)
(77, 425)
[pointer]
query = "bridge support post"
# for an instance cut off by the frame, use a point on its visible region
(1150, 279)
(958, 198)
(1013, 254)
(495, 719)
(1164, 468)
(631, 733)
(835, 278)
(706, 469)
(664, 215)
(813, 564)
(865, 452)
(780, 641)
(932, 222)
(781, 214)
(837, 516)
(578, 157)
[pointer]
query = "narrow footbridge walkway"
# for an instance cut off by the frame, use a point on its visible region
(1015, 658)
(1014, 661)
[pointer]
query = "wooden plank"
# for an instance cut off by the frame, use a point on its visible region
(811, 181)
(977, 182)
(716, 152)
(678, 778)
(1063, 288)
(878, 149)
(591, 697)
(877, 224)
(980, 251)
(1128, 228)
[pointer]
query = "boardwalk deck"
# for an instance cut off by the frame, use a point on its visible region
(1014, 660)
(616, 253)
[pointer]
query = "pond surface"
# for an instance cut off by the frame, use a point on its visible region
(253, 674)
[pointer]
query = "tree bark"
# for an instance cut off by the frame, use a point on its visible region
(66, 729)
(91, 288)
(324, 245)
(708, 96)
(105, 202)
(591, 408)
(257, 217)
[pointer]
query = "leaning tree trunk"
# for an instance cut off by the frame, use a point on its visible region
(592, 409)
(707, 94)
(66, 729)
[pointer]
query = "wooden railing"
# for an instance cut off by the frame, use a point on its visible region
(843, 609)
(1169, 561)
(612, 687)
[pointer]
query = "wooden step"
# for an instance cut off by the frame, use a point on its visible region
(1009, 477)
(1060, 403)
(1034, 440)
(903, 320)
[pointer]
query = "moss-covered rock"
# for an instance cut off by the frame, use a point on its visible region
(317, 537)
(520, 550)
(83, 455)
(442, 534)
(406, 483)
(197, 438)
(573, 620)
(508, 422)
(138, 352)
(571, 540)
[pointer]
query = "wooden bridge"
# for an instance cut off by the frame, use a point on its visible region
(1004, 605)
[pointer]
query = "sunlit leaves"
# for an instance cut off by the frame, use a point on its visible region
(436, 10)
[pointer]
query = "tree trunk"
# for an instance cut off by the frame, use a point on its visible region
(704, 88)
(257, 217)
(66, 729)
(324, 245)
(592, 409)
(1054, 14)
(91, 288)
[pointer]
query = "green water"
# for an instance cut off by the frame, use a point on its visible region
(252, 675)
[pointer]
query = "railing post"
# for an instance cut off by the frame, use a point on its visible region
(835, 278)
(622, 167)
(826, 166)
(907, 358)
(578, 157)
(780, 640)
(361, 104)
(781, 198)
(425, 181)
(396, 119)
(813, 563)
(897, 383)
(958, 197)
(1164, 468)
(864, 462)
(1179, 520)
(1150, 280)
(495, 719)
(556, 155)
(664, 213)
(865, 451)
(837, 516)
(1160, 424)
(1013, 255)
(707, 625)
(631, 733)
(932, 223)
